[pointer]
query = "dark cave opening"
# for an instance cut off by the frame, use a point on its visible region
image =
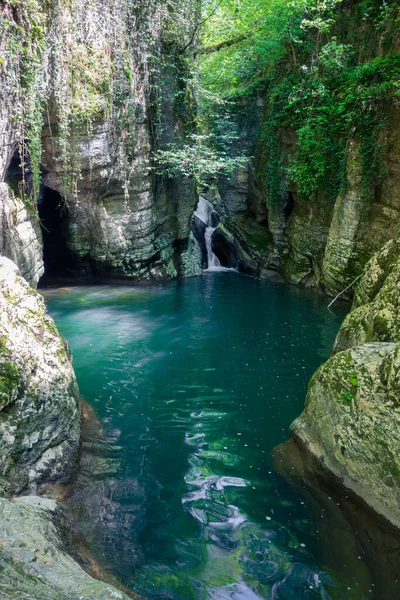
(289, 206)
(53, 215)
(16, 180)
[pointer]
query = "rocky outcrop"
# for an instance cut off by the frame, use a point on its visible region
(107, 98)
(321, 192)
(118, 227)
(351, 421)
(375, 316)
(20, 236)
(39, 400)
(33, 562)
(40, 424)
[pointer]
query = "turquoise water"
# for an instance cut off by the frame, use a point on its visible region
(195, 382)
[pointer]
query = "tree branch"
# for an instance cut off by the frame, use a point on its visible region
(227, 43)
(200, 23)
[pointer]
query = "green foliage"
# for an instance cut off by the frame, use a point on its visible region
(352, 378)
(23, 26)
(327, 72)
(199, 158)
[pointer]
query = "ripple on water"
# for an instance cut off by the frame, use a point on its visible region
(196, 382)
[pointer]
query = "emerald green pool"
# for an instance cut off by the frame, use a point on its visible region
(195, 382)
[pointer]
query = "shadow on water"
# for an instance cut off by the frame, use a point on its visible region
(194, 384)
(352, 539)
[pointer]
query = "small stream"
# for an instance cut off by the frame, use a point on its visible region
(195, 382)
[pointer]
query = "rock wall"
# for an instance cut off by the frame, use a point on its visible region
(351, 421)
(319, 243)
(20, 236)
(39, 403)
(325, 239)
(106, 99)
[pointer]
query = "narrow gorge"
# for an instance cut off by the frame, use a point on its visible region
(199, 222)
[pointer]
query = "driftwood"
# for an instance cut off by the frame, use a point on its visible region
(343, 291)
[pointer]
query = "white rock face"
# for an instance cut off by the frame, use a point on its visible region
(20, 236)
(39, 398)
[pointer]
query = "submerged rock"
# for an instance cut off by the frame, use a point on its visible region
(39, 399)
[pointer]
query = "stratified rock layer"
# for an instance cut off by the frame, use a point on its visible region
(20, 236)
(320, 242)
(39, 399)
(375, 316)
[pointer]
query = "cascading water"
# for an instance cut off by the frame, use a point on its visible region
(212, 259)
(203, 212)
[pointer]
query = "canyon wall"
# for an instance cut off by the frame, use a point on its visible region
(351, 418)
(314, 243)
(318, 197)
(86, 94)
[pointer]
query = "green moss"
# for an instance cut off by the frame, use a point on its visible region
(52, 327)
(9, 380)
(381, 327)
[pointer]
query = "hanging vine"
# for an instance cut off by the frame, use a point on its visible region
(53, 54)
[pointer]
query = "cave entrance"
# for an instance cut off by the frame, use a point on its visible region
(289, 206)
(14, 176)
(53, 214)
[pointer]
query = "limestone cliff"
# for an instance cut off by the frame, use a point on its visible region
(85, 96)
(351, 420)
(313, 243)
(20, 235)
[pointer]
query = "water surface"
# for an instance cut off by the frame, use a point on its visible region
(195, 382)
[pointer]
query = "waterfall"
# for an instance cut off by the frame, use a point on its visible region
(203, 212)
(212, 259)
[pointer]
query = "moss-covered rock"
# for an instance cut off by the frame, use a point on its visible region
(375, 316)
(351, 422)
(39, 400)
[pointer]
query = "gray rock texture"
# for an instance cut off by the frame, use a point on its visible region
(319, 243)
(351, 423)
(124, 219)
(375, 315)
(39, 399)
(33, 562)
(117, 227)
(20, 236)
